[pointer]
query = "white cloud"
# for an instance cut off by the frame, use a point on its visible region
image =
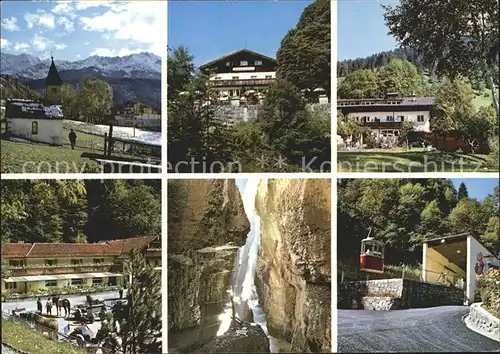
(19, 47)
(60, 46)
(41, 43)
(133, 22)
(106, 52)
(86, 43)
(4, 43)
(41, 18)
(10, 24)
(66, 23)
(78, 56)
(62, 7)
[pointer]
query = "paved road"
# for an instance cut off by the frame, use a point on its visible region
(437, 329)
(6, 350)
(30, 305)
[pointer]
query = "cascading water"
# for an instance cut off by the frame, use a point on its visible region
(243, 289)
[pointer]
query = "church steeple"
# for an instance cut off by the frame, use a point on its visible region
(53, 85)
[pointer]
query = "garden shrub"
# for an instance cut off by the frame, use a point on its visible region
(489, 291)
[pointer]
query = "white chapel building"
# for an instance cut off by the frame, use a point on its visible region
(38, 120)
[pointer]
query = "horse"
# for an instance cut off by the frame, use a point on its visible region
(65, 305)
(92, 301)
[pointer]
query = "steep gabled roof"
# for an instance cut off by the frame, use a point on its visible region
(53, 77)
(234, 53)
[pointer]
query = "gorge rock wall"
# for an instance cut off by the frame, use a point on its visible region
(294, 268)
(206, 225)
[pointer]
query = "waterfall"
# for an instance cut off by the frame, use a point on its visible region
(243, 289)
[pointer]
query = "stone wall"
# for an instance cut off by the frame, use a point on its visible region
(391, 294)
(483, 322)
(248, 113)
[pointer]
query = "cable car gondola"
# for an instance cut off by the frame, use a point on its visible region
(371, 258)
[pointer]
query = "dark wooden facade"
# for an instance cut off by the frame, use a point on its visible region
(243, 60)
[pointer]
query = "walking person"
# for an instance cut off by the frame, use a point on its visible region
(39, 305)
(48, 306)
(120, 292)
(72, 139)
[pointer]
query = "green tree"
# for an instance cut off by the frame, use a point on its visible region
(358, 84)
(346, 127)
(69, 102)
(141, 330)
(304, 55)
(399, 76)
(406, 132)
(462, 191)
(477, 128)
(453, 106)
(468, 216)
(431, 220)
(95, 98)
(180, 70)
(491, 237)
(459, 37)
(135, 211)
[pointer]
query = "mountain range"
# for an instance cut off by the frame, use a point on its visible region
(135, 77)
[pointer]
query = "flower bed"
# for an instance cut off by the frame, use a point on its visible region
(488, 286)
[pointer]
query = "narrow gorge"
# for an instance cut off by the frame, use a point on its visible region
(249, 266)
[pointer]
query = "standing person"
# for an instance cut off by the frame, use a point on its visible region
(39, 305)
(48, 306)
(72, 139)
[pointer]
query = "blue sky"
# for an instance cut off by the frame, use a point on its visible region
(211, 29)
(361, 29)
(77, 29)
(478, 188)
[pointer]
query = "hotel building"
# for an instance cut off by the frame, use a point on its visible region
(38, 267)
(384, 117)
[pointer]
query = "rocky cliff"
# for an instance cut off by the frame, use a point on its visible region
(294, 269)
(206, 225)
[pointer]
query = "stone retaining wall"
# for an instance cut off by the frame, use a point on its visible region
(391, 294)
(483, 322)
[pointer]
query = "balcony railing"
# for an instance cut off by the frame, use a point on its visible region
(248, 82)
(64, 269)
(382, 124)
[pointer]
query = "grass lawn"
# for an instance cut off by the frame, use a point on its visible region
(483, 99)
(17, 157)
(415, 160)
(20, 337)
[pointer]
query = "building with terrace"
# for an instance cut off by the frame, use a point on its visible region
(384, 117)
(240, 76)
(43, 267)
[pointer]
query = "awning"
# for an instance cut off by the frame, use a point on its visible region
(61, 277)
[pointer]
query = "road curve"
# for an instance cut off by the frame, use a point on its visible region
(436, 329)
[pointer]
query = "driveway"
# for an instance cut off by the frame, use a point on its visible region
(437, 329)
(30, 305)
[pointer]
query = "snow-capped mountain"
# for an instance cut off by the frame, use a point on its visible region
(135, 66)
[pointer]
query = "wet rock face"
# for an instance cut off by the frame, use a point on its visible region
(206, 225)
(294, 270)
(244, 338)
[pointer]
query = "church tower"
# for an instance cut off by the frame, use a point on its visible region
(53, 84)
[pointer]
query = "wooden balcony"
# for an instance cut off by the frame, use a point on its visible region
(65, 269)
(249, 82)
(382, 125)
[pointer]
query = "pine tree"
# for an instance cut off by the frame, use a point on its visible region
(462, 192)
(141, 330)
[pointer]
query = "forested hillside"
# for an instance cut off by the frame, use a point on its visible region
(79, 211)
(378, 60)
(404, 212)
